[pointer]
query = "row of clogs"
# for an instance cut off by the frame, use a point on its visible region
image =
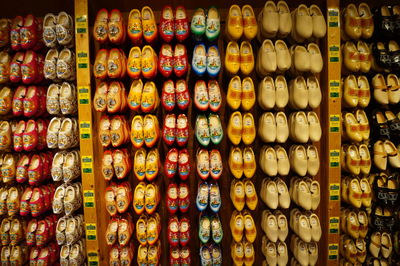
(206, 96)
(304, 253)
(120, 229)
(241, 22)
(241, 93)
(13, 231)
(357, 22)
(20, 254)
(210, 254)
(26, 101)
(10, 203)
(178, 198)
(386, 125)
(206, 60)
(276, 20)
(111, 97)
(176, 93)
(305, 192)
(113, 63)
(274, 193)
(67, 198)
(208, 195)
(356, 91)
(274, 225)
(206, 22)
(209, 163)
(241, 128)
(146, 198)
(354, 223)
(40, 232)
(58, 30)
(384, 152)
(29, 135)
(176, 129)
(59, 65)
(119, 255)
(118, 197)
(209, 129)
(239, 58)
(114, 131)
(62, 99)
(62, 133)
(385, 56)
(386, 91)
(66, 166)
(275, 253)
(116, 163)
(355, 126)
(356, 159)
(179, 231)
(353, 250)
(30, 71)
(170, 61)
(210, 227)
(242, 162)
(242, 226)
(70, 229)
(243, 193)
(387, 188)
(357, 58)
(300, 94)
(356, 192)
(381, 243)
(73, 254)
(306, 225)
(177, 162)
(145, 131)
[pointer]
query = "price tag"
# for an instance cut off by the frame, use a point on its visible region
(91, 231)
(81, 24)
(87, 165)
(85, 130)
(83, 95)
(334, 158)
(334, 191)
(334, 88)
(333, 251)
(88, 198)
(333, 17)
(334, 123)
(82, 59)
(334, 225)
(334, 53)
(93, 258)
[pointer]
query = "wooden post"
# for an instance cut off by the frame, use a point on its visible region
(91, 195)
(330, 184)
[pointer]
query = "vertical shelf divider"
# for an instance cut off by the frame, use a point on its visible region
(90, 190)
(330, 184)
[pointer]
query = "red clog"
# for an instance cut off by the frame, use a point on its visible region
(183, 164)
(181, 24)
(18, 136)
(30, 68)
(182, 94)
(36, 202)
(30, 136)
(184, 231)
(169, 129)
(166, 60)
(29, 33)
(173, 231)
(18, 101)
(180, 60)
(31, 232)
(42, 233)
(174, 256)
(22, 169)
(31, 101)
(35, 171)
(184, 198)
(15, 67)
(167, 24)
(182, 130)
(171, 163)
(185, 256)
(172, 198)
(16, 25)
(168, 98)
(24, 208)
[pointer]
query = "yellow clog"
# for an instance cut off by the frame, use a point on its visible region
(235, 128)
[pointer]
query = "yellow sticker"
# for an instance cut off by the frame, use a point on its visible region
(85, 130)
(334, 158)
(93, 258)
(83, 95)
(334, 191)
(334, 225)
(88, 198)
(87, 164)
(333, 251)
(81, 24)
(334, 53)
(333, 17)
(334, 88)
(334, 123)
(91, 231)
(82, 59)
